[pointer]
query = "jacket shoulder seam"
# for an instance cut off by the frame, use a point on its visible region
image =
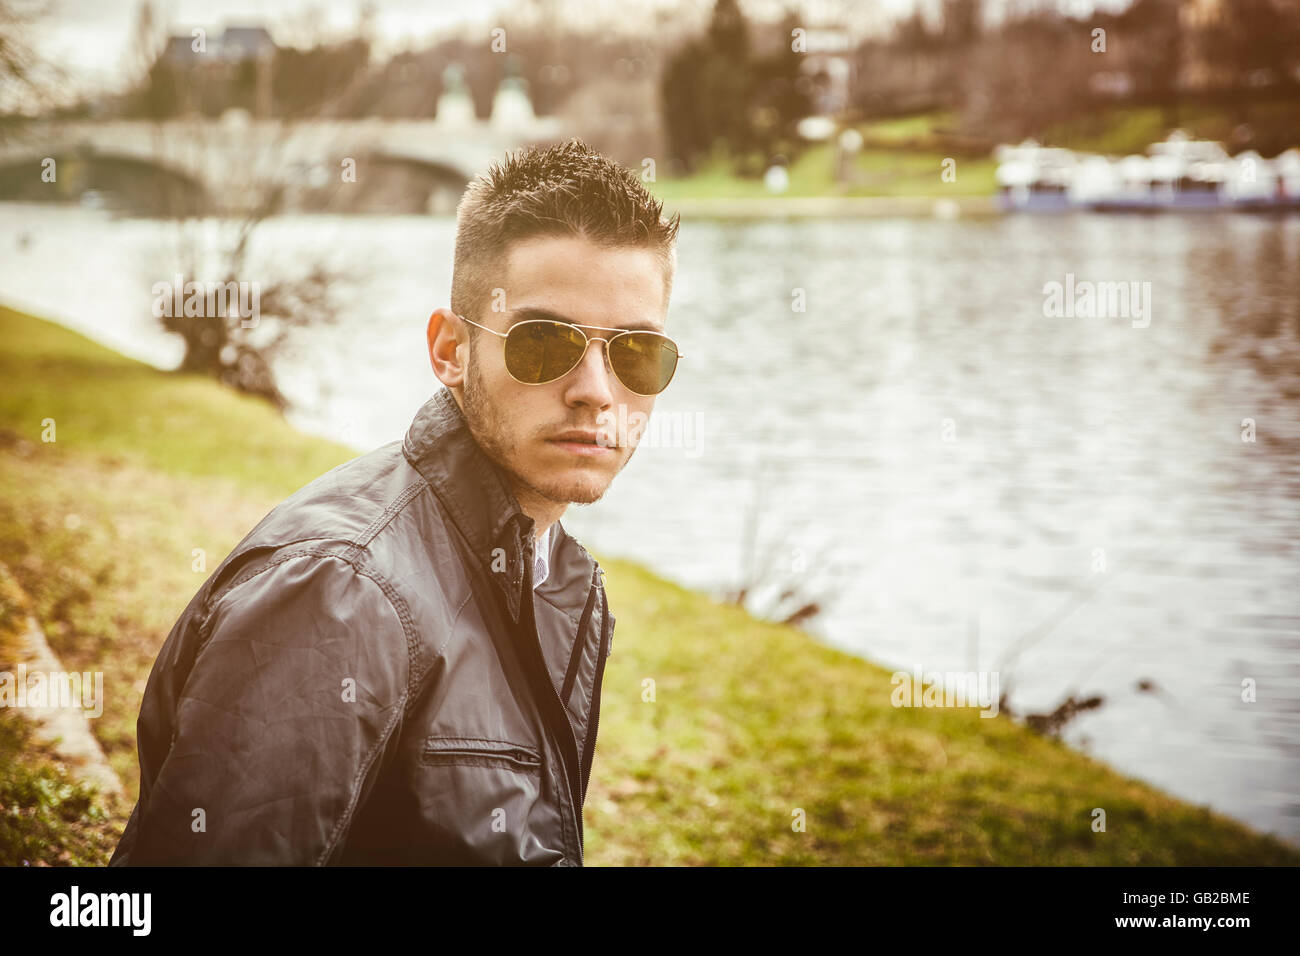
(405, 497)
(394, 599)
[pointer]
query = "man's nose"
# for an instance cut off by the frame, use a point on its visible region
(590, 381)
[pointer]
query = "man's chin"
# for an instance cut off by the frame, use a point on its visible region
(578, 491)
(578, 486)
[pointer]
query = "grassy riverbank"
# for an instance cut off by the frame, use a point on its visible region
(899, 169)
(750, 722)
(900, 159)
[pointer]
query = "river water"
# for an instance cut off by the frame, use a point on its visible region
(965, 480)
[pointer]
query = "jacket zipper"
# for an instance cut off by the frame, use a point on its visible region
(602, 655)
(516, 755)
(575, 799)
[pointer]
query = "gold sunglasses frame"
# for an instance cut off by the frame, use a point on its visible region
(589, 339)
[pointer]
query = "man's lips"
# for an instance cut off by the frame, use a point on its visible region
(583, 442)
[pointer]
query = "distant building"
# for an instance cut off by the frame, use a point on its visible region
(239, 44)
(235, 45)
(189, 57)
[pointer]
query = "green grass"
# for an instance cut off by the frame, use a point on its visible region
(750, 721)
(914, 130)
(126, 413)
(878, 172)
(1124, 130)
(46, 817)
(899, 158)
(1116, 132)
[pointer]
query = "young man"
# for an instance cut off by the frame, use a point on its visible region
(402, 662)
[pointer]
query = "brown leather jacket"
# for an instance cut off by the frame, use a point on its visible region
(370, 678)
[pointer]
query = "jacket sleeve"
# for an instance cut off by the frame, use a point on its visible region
(281, 725)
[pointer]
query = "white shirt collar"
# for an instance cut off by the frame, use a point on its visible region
(542, 550)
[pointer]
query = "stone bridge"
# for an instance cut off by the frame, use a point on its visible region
(236, 162)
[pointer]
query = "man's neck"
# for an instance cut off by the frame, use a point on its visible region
(543, 511)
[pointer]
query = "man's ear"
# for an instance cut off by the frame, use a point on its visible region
(445, 355)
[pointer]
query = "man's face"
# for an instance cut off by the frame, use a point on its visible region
(518, 425)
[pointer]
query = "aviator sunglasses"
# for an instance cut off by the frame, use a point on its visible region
(538, 351)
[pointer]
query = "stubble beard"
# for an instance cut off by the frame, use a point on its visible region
(488, 424)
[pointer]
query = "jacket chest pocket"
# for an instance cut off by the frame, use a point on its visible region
(486, 801)
(480, 752)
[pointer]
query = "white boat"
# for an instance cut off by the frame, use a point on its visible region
(1176, 174)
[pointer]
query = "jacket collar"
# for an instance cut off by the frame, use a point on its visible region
(474, 490)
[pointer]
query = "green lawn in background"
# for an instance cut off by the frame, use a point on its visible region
(878, 172)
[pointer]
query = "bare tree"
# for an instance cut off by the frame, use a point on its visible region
(26, 78)
(215, 233)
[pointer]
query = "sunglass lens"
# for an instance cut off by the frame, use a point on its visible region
(538, 352)
(643, 361)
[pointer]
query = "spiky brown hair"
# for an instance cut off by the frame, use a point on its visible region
(566, 189)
